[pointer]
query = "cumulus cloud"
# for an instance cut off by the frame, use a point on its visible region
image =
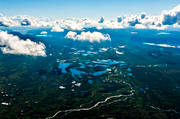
(171, 17)
(74, 27)
(88, 36)
(57, 29)
(44, 32)
(73, 23)
(10, 44)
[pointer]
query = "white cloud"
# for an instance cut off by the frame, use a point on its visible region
(73, 23)
(11, 44)
(119, 53)
(162, 45)
(163, 33)
(142, 21)
(44, 32)
(99, 27)
(171, 17)
(71, 35)
(57, 29)
(134, 32)
(88, 36)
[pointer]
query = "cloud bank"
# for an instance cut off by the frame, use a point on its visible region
(88, 36)
(10, 44)
(168, 18)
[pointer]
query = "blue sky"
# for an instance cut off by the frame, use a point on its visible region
(84, 8)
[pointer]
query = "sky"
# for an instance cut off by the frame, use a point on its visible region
(84, 8)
